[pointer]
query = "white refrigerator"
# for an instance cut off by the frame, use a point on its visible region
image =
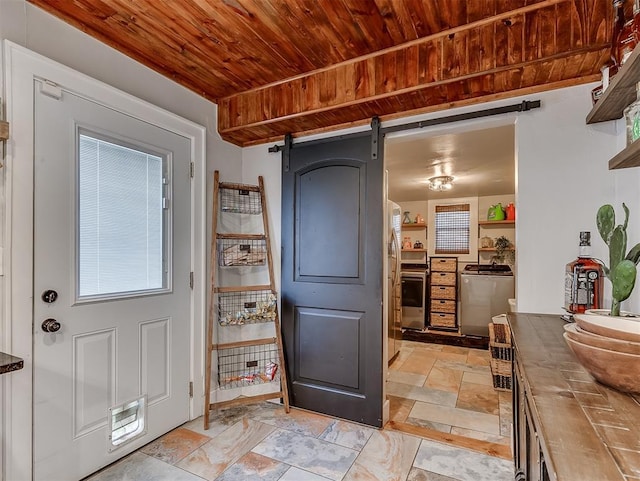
(394, 288)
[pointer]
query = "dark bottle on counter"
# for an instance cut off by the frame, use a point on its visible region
(583, 280)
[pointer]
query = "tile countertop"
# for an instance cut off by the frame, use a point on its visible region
(10, 363)
(588, 431)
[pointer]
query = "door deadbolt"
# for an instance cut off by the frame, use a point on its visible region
(49, 296)
(50, 325)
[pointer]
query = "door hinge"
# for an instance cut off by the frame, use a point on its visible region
(192, 169)
(191, 279)
(190, 388)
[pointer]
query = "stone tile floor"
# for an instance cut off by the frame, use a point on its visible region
(262, 442)
(449, 389)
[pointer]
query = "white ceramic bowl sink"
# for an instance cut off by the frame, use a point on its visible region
(598, 321)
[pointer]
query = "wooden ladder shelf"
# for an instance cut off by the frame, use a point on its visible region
(243, 363)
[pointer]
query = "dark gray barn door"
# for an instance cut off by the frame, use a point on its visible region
(332, 221)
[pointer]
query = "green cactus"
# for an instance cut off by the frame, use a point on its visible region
(622, 269)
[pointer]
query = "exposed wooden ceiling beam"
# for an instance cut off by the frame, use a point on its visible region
(512, 51)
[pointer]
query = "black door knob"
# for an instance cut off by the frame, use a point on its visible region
(49, 296)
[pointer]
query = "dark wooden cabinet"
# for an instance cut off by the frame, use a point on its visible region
(566, 426)
(528, 455)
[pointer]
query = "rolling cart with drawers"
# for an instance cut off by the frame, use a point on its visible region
(443, 293)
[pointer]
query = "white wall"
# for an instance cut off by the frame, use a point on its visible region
(36, 30)
(257, 161)
(562, 179)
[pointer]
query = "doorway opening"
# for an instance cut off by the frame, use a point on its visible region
(439, 377)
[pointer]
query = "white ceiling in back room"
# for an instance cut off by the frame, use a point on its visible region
(481, 162)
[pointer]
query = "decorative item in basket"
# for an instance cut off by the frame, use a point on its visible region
(250, 377)
(243, 255)
(248, 312)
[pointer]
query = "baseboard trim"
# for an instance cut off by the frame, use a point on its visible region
(476, 342)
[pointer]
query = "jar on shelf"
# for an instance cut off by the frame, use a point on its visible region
(632, 118)
(629, 36)
(618, 26)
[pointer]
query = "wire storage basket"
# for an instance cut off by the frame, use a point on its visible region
(246, 307)
(248, 365)
(242, 252)
(241, 199)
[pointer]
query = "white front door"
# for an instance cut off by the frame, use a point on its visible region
(112, 256)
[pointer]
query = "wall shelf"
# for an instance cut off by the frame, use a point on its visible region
(507, 225)
(627, 157)
(485, 223)
(414, 250)
(620, 93)
(421, 225)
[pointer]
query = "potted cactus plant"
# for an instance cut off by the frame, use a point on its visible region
(609, 340)
(622, 269)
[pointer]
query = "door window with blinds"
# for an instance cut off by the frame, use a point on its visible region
(122, 221)
(452, 229)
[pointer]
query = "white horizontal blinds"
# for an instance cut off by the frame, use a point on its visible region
(452, 229)
(121, 228)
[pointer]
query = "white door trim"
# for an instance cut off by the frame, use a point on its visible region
(22, 66)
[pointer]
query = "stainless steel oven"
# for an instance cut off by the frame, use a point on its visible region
(414, 298)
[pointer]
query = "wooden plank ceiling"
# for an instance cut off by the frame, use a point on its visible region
(302, 66)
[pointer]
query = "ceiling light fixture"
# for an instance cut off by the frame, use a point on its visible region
(441, 183)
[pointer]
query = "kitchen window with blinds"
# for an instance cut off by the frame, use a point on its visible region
(452, 229)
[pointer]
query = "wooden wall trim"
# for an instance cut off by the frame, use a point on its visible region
(430, 109)
(597, 49)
